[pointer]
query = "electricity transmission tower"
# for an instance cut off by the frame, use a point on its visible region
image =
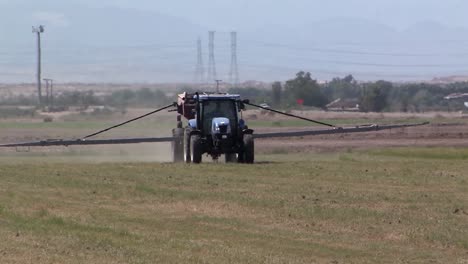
(211, 61)
(38, 31)
(199, 71)
(234, 72)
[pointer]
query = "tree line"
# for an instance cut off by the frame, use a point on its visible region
(302, 90)
(144, 97)
(375, 96)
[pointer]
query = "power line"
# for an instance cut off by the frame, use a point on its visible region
(359, 52)
(312, 48)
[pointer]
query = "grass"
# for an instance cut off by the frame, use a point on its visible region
(80, 128)
(426, 153)
(379, 206)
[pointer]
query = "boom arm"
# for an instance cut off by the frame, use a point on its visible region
(47, 143)
(340, 130)
(286, 114)
(334, 130)
(86, 141)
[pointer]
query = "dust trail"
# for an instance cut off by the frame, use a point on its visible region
(148, 152)
(145, 152)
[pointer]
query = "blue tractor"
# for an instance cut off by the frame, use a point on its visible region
(215, 127)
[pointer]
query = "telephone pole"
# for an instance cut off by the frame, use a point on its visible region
(38, 31)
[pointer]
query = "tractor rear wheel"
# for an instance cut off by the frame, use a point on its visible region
(187, 153)
(248, 152)
(178, 145)
(196, 149)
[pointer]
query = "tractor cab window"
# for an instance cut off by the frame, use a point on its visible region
(218, 108)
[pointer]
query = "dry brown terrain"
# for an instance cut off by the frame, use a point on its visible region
(433, 135)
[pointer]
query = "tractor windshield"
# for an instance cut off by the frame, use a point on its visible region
(219, 108)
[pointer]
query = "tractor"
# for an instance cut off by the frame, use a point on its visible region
(215, 127)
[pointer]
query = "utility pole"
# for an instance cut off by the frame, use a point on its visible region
(234, 72)
(211, 62)
(38, 31)
(217, 85)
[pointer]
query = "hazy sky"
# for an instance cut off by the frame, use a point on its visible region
(276, 37)
(253, 14)
(244, 14)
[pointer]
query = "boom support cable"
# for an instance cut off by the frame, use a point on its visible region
(290, 115)
(129, 121)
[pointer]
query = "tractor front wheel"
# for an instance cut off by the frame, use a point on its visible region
(248, 152)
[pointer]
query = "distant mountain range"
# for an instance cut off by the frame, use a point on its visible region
(124, 45)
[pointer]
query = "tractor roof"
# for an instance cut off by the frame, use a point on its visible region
(218, 96)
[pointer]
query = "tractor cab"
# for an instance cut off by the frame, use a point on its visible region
(218, 116)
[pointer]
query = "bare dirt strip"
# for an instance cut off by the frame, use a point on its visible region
(433, 135)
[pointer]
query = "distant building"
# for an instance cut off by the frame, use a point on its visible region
(450, 79)
(346, 105)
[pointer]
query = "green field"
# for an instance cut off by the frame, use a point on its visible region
(402, 205)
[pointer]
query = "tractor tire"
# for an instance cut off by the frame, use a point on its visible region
(178, 145)
(187, 153)
(230, 157)
(248, 152)
(196, 149)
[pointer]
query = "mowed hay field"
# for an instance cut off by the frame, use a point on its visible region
(393, 205)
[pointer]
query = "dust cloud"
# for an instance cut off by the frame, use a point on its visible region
(144, 152)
